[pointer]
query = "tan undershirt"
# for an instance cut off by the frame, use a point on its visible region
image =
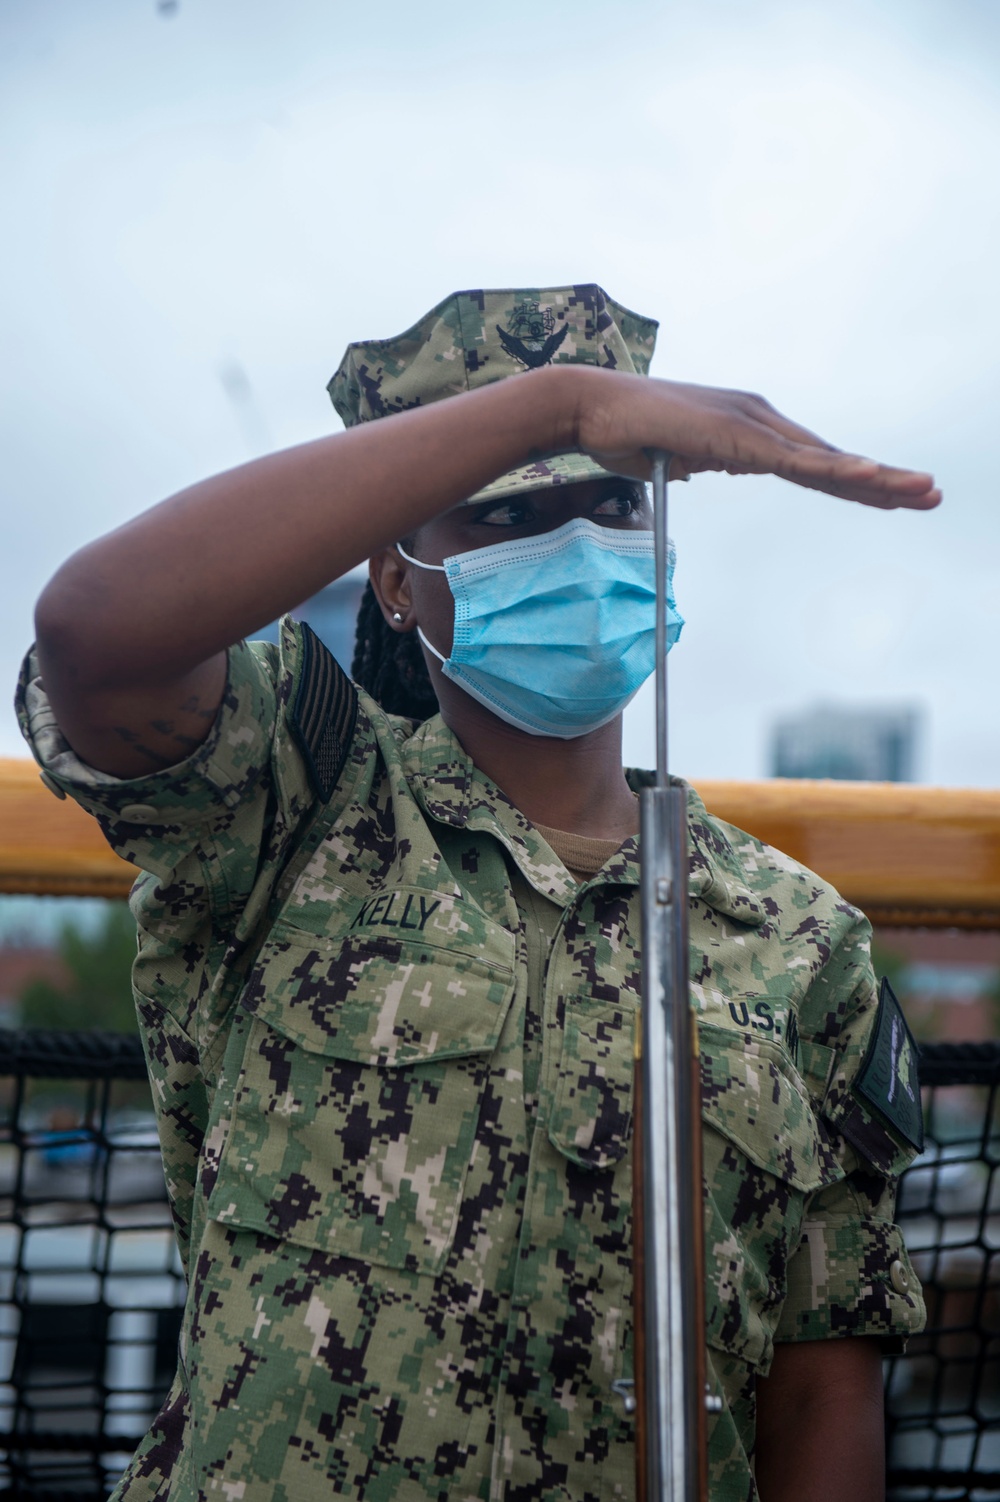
(581, 856)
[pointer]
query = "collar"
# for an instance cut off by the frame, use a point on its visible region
(450, 789)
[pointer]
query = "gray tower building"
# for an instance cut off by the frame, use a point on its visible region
(860, 744)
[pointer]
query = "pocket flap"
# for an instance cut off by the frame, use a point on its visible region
(591, 1120)
(391, 999)
(753, 1094)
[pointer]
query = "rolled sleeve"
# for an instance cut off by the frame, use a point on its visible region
(153, 820)
(851, 1274)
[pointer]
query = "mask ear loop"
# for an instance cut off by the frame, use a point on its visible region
(437, 568)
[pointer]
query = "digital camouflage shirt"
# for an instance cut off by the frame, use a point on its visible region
(401, 1175)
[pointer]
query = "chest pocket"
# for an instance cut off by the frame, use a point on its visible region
(764, 1152)
(358, 1100)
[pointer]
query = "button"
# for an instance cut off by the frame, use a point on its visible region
(139, 813)
(51, 784)
(899, 1277)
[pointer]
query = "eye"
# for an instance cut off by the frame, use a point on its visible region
(621, 503)
(506, 514)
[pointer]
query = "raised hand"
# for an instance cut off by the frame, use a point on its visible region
(709, 428)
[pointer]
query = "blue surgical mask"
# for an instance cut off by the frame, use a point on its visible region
(555, 634)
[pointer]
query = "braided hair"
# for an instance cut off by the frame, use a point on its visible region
(389, 664)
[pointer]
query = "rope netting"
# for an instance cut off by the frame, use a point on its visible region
(91, 1289)
(943, 1394)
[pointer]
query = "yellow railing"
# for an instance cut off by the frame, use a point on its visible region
(907, 855)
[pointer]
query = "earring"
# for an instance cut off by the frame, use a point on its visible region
(397, 617)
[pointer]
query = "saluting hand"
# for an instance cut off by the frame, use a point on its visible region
(707, 428)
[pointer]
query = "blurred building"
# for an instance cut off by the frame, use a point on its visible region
(947, 979)
(331, 614)
(859, 744)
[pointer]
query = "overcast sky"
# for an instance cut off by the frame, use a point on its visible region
(205, 202)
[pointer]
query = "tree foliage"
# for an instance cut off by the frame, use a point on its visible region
(98, 993)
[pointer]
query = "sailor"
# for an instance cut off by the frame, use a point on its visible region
(389, 953)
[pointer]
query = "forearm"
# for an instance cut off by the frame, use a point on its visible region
(186, 579)
(132, 629)
(820, 1424)
(217, 561)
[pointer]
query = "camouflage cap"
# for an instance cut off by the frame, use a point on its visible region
(473, 338)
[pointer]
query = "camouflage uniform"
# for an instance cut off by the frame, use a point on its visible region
(396, 1132)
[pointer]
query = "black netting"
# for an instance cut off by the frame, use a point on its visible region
(943, 1395)
(90, 1286)
(91, 1289)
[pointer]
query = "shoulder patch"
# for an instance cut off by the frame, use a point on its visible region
(888, 1080)
(323, 713)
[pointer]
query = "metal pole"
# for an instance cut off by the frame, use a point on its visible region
(672, 1385)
